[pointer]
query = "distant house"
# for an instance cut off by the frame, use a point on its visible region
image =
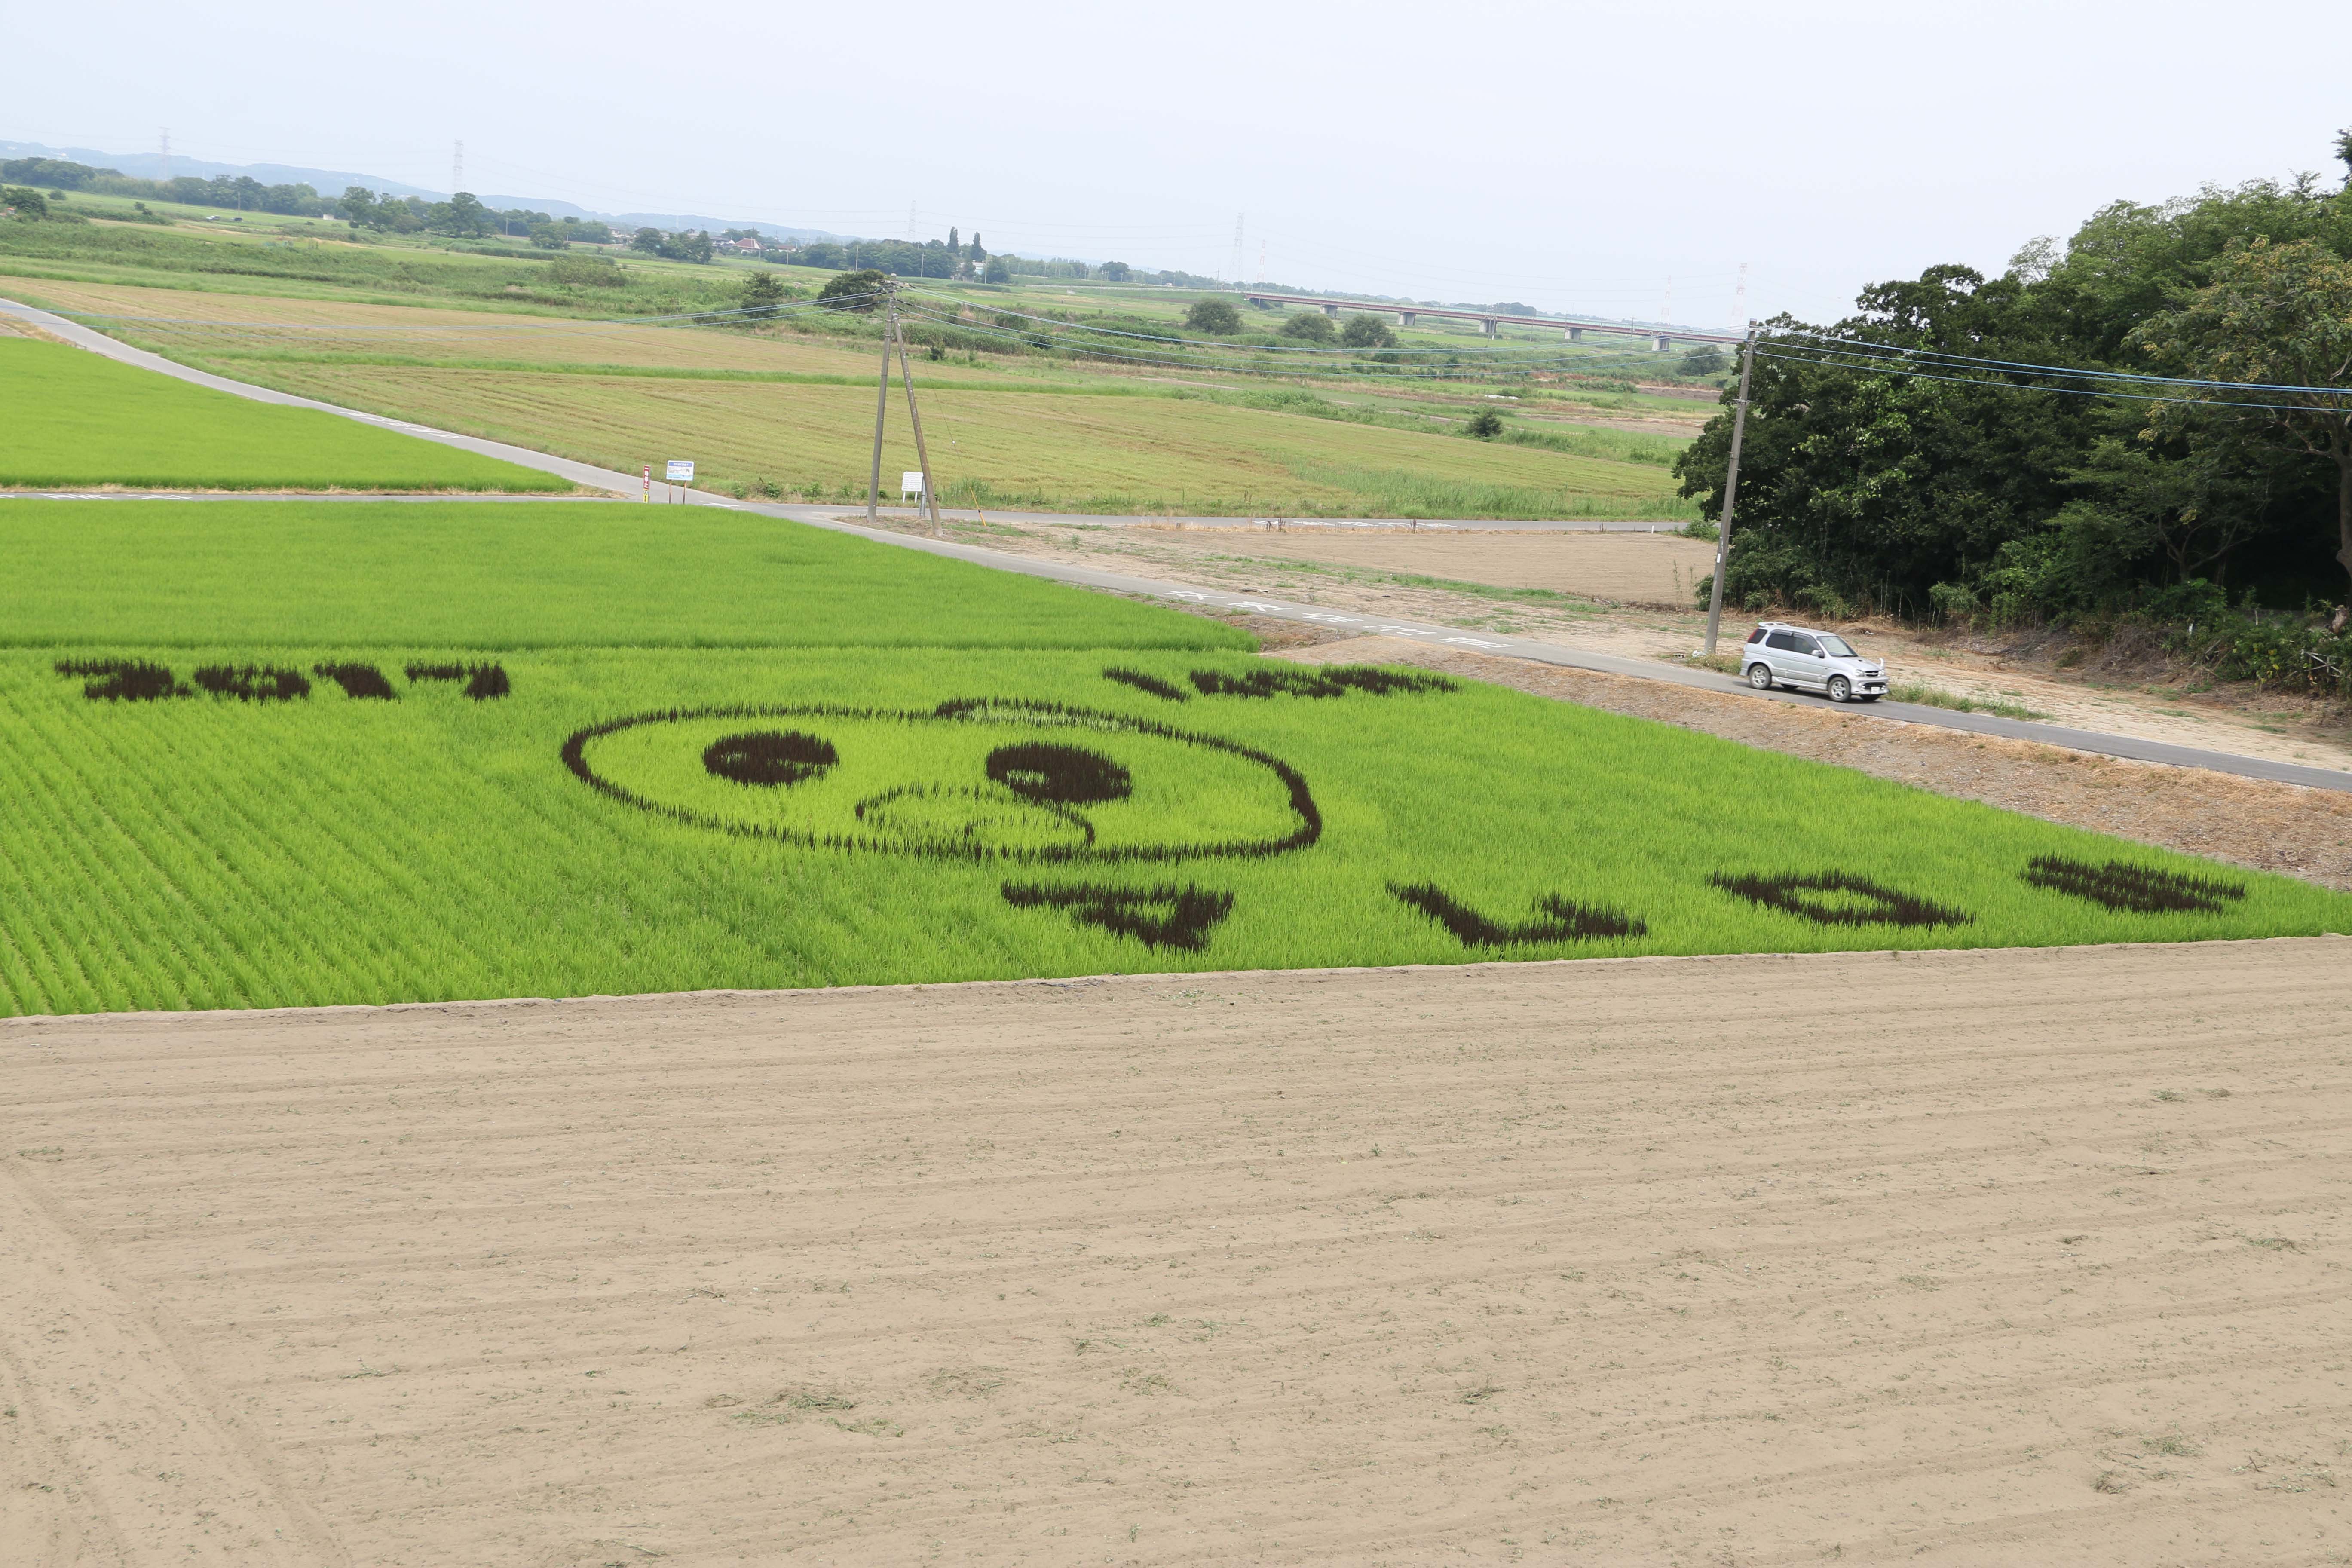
(751, 245)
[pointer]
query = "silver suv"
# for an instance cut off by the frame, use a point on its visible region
(1779, 654)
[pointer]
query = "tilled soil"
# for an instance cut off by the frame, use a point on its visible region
(1985, 1256)
(2304, 833)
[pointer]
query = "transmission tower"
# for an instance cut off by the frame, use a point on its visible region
(456, 167)
(1261, 264)
(1739, 300)
(1237, 248)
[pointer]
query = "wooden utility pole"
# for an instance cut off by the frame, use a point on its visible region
(881, 405)
(907, 375)
(1731, 491)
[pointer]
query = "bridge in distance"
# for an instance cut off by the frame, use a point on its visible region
(1489, 320)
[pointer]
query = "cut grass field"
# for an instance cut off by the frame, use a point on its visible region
(960, 786)
(76, 418)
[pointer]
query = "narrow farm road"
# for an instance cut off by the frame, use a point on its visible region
(629, 485)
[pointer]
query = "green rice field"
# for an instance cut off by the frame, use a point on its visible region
(72, 417)
(574, 749)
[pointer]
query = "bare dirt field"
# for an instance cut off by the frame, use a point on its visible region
(1661, 569)
(1994, 1257)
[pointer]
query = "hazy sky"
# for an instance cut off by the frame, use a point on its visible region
(1577, 156)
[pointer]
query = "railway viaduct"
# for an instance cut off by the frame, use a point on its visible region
(1489, 321)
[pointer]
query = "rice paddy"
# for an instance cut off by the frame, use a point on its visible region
(75, 418)
(612, 757)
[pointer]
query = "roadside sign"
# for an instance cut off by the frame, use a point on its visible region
(680, 471)
(910, 482)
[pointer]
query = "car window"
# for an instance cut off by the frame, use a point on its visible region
(1840, 646)
(1756, 636)
(1807, 645)
(1785, 641)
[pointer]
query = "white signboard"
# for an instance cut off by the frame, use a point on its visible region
(680, 471)
(910, 482)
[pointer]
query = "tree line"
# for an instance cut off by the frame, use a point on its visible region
(1976, 492)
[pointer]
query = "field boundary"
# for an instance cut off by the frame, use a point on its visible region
(828, 518)
(1146, 979)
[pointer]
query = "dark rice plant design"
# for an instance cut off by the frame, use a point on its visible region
(1164, 915)
(123, 680)
(1556, 919)
(1052, 777)
(483, 681)
(1149, 685)
(769, 758)
(1333, 680)
(254, 682)
(2140, 889)
(357, 680)
(1802, 894)
(1058, 775)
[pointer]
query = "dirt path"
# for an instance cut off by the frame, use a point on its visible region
(1956, 1257)
(2267, 827)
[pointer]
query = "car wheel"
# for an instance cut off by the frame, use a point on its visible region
(1759, 676)
(1841, 689)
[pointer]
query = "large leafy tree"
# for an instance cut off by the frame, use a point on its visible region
(2278, 319)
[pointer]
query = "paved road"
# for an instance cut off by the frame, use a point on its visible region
(630, 484)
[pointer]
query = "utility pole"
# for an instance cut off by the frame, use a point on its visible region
(1731, 491)
(907, 375)
(881, 406)
(1237, 248)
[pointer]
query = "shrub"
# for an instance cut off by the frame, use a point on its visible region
(1485, 425)
(1214, 317)
(1367, 333)
(1310, 326)
(852, 291)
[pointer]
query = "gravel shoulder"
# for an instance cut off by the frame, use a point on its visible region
(2023, 1256)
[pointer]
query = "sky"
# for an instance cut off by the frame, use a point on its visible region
(1618, 159)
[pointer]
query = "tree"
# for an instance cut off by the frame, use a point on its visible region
(1310, 326)
(28, 205)
(955, 245)
(547, 237)
(1705, 360)
(1214, 317)
(762, 295)
(1368, 333)
(2278, 316)
(462, 215)
(974, 252)
(999, 271)
(1485, 425)
(1117, 271)
(858, 291)
(359, 206)
(648, 240)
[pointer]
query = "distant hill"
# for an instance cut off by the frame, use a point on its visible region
(331, 182)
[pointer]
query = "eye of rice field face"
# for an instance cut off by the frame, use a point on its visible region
(993, 781)
(767, 759)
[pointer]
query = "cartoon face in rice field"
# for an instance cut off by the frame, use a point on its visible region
(994, 780)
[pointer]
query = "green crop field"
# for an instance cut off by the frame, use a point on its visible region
(73, 417)
(383, 753)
